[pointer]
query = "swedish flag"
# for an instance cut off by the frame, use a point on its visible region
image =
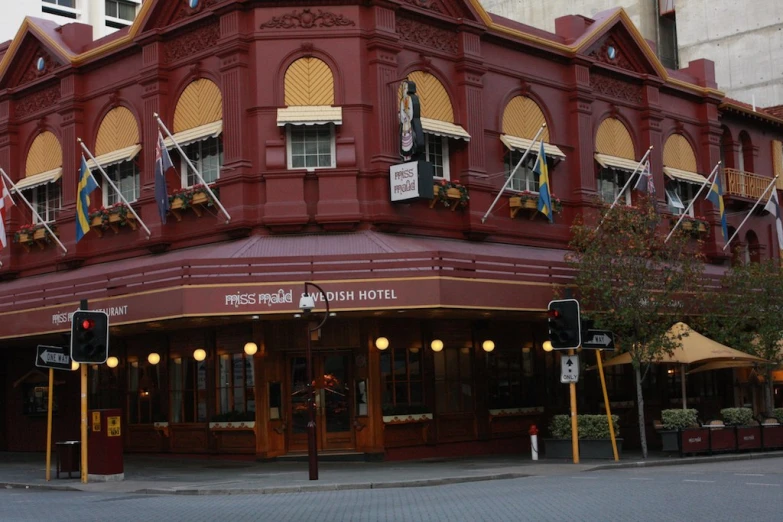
(716, 196)
(544, 198)
(86, 185)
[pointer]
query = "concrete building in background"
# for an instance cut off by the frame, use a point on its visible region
(105, 16)
(744, 39)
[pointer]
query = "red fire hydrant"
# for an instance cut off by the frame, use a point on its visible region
(533, 431)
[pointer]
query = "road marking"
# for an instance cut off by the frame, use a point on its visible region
(702, 481)
(761, 484)
(749, 474)
(585, 478)
(641, 478)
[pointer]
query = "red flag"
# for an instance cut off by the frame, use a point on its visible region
(5, 203)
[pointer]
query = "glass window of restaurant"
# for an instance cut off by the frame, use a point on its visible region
(401, 373)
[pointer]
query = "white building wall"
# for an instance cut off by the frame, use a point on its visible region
(91, 12)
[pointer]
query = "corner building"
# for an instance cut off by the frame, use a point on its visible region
(291, 114)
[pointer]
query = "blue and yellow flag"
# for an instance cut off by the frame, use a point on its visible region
(86, 185)
(715, 195)
(544, 198)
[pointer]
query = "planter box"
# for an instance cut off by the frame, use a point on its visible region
(748, 437)
(694, 440)
(588, 449)
(670, 440)
(723, 439)
(772, 436)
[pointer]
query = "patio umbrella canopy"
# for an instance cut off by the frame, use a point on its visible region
(722, 365)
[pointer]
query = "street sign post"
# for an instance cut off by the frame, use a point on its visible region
(598, 340)
(54, 357)
(569, 369)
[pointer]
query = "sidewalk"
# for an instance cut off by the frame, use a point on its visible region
(208, 476)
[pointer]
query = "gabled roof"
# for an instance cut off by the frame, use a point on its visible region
(769, 114)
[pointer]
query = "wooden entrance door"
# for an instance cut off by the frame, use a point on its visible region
(333, 398)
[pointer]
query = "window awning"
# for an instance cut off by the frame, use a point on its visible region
(202, 132)
(50, 176)
(605, 160)
(117, 156)
(444, 128)
(521, 144)
(684, 175)
(309, 115)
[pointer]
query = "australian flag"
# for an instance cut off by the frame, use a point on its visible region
(162, 165)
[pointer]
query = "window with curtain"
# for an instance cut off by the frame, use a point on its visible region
(454, 380)
(144, 393)
(610, 182)
(403, 391)
(436, 151)
(311, 146)
(188, 385)
(46, 200)
(207, 157)
(235, 387)
(125, 176)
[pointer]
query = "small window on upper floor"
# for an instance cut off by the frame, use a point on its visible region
(207, 156)
(125, 176)
(678, 196)
(66, 8)
(610, 182)
(436, 151)
(311, 146)
(46, 199)
(525, 179)
(120, 13)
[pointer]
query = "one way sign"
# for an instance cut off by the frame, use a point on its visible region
(570, 368)
(55, 357)
(598, 339)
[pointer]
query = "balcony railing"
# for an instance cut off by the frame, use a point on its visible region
(744, 184)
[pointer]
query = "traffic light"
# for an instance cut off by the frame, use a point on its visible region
(565, 331)
(90, 337)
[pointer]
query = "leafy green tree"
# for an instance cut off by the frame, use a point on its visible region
(631, 281)
(748, 315)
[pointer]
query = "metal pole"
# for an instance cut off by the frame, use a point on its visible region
(83, 372)
(36, 214)
(574, 424)
(513, 172)
(185, 156)
(606, 405)
(106, 177)
(690, 205)
(49, 427)
(312, 440)
(622, 191)
(771, 183)
(684, 388)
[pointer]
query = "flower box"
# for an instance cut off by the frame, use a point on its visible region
(30, 235)
(407, 419)
(449, 193)
(195, 198)
(229, 426)
(529, 201)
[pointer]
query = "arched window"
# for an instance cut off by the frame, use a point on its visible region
(310, 117)
(614, 152)
(753, 248)
(746, 156)
(116, 147)
(679, 165)
(522, 118)
(43, 170)
(198, 125)
(727, 149)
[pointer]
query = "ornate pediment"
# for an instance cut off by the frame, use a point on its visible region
(31, 61)
(453, 9)
(427, 35)
(307, 19)
(622, 47)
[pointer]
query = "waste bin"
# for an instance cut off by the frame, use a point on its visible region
(104, 445)
(68, 455)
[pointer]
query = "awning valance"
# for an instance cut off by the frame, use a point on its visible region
(444, 128)
(521, 144)
(50, 176)
(202, 132)
(309, 115)
(116, 156)
(616, 162)
(684, 175)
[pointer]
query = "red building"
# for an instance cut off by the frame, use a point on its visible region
(291, 114)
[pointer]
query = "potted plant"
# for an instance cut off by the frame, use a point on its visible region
(672, 422)
(120, 215)
(748, 431)
(772, 430)
(24, 236)
(594, 437)
(722, 437)
(451, 194)
(195, 197)
(99, 220)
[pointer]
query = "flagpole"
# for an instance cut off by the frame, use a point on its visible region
(771, 183)
(117, 190)
(690, 205)
(513, 172)
(625, 186)
(36, 214)
(193, 167)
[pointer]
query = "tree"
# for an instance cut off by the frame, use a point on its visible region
(634, 283)
(748, 315)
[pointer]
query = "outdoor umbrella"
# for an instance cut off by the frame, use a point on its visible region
(722, 365)
(693, 348)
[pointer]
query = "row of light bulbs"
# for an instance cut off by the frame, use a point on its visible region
(154, 358)
(437, 345)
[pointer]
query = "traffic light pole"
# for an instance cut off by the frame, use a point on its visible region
(83, 372)
(574, 425)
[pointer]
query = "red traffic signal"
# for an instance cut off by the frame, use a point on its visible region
(88, 324)
(565, 329)
(90, 337)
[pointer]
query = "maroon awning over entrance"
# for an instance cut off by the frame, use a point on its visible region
(264, 275)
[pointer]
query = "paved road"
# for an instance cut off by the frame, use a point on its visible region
(718, 491)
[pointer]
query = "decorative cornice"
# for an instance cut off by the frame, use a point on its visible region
(33, 73)
(432, 5)
(187, 44)
(616, 88)
(37, 101)
(423, 34)
(306, 19)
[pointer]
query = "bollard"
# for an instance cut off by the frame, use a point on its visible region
(533, 431)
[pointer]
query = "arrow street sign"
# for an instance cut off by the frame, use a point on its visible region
(569, 368)
(55, 357)
(598, 339)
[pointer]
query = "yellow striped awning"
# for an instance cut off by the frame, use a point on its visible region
(684, 175)
(521, 144)
(202, 132)
(117, 156)
(309, 115)
(605, 160)
(50, 176)
(444, 128)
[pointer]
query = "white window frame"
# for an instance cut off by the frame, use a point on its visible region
(445, 153)
(121, 21)
(684, 192)
(49, 215)
(620, 178)
(67, 12)
(525, 179)
(106, 188)
(199, 163)
(289, 146)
